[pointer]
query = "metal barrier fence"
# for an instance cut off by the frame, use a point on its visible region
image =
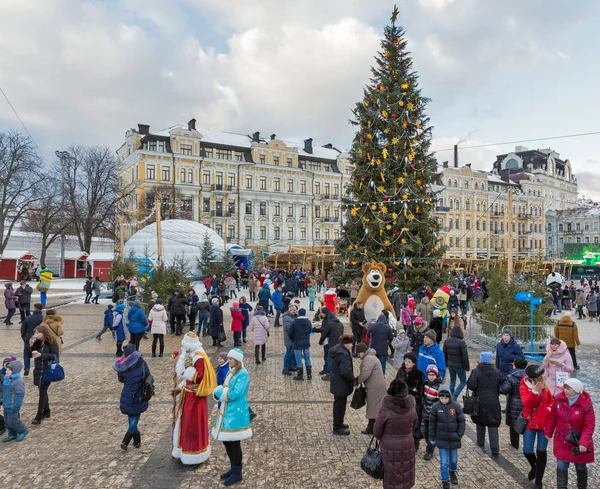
(484, 335)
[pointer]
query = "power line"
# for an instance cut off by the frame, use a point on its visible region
(23, 124)
(565, 136)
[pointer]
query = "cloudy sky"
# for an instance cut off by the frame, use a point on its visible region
(83, 71)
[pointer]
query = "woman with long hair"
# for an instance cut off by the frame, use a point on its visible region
(232, 424)
(537, 401)
(43, 348)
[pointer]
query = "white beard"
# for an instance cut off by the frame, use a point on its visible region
(180, 365)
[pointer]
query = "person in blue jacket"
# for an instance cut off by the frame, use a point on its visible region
(507, 351)
(118, 327)
(137, 324)
(430, 352)
(277, 300)
(108, 322)
(232, 424)
(131, 370)
(13, 393)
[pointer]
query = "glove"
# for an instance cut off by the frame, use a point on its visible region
(189, 374)
(218, 392)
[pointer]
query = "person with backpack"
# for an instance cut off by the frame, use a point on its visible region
(511, 387)
(132, 372)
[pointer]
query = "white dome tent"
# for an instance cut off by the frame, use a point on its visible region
(179, 238)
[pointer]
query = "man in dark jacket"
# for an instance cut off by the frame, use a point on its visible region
(453, 302)
(396, 302)
(215, 322)
(358, 321)
(289, 359)
(380, 335)
(299, 333)
(30, 323)
(511, 387)
(507, 350)
(342, 382)
(331, 329)
(170, 310)
(446, 429)
(457, 360)
(24, 294)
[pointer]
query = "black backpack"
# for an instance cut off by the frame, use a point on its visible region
(115, 297)
(147, 384)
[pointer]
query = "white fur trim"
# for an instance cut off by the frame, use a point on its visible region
(235, 355)
(189, 374)
(223, 435)
(191, 343)
(187, 458)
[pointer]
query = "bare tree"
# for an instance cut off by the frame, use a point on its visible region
(179, 208)
(20, 174)
(93, 191)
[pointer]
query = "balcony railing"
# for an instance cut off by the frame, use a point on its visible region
(497, 214)
(221, 213)
(323, 242)
(219, 187)
(331, 219)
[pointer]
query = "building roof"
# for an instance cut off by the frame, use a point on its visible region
(101, 256)
(14, 254)
(580, 213)
(74, 255)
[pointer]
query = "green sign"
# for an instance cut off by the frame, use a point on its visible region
(588, 252)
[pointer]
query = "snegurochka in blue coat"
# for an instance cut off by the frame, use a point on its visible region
(507, 351)
(430, 352)
(233, 419)
(131, 370)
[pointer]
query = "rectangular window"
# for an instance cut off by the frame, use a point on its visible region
(277, 184)
(303, 234)
(248, 182)
(248, 208)
(290, 210)
(150, 172)
(208, 152)
(248, 232)
(587, 226)
(166, 174)
(263, 233)
(186, 149)
(477, 225)
(231, 207)
(205, 205)
(303, 211)
(317, 234)
(577, 226)
(223, 154)
(276, 209)
(290, 185)
(450, 241)
(290, 234)
(315, 165)
(317, 188)
(468, 224)
(262, 209)
(326, 190)
(262, 159)
(152, 145)
(560, 227)
(478, 242)
(219, 179)
(468, 242)
(290, 162)
(336, 213)
(219, 229)
(263, 183)
(483, 225)
(327, 235)
(160, 147)
(303, 187)
(596, 226)
(205, 178)
(317, 211)
(239, 156)
(336, 190)
(231, 232)
(450, 223)
(485, 243)
(326, 167)
(182, 177)
(457, 242)
(276, 160)
(301, 164)
(231, 181)
(276, 234)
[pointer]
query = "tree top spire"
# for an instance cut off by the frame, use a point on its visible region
(395, 13)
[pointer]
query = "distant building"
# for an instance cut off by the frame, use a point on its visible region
(578, 226)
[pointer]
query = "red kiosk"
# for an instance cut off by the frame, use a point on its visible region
(12, 263)
(75, 264)
(101, 265)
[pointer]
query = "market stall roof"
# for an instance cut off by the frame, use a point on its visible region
(15, 254)
(101, 256)
(74, 255)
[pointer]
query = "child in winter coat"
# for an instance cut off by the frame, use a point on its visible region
(118, 327)
(446, 428)
(5, 362)
(13, 393)
(312, 295)
(108, 322)
(237, 320)
(430, 397)
(401, 345)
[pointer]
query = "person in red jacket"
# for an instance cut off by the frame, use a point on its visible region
(237, 320)
(572, 415)
(537, 401)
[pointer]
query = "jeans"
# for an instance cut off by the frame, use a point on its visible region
(289, 359)
(311, 305)
(202, 324)
(234, 452)
(155, 339)
(104, 330)
(448, 461)
(192, 318)
(580, 311)
(252, 296)
(573, 356)
(237, 338)
(339, 411)
(383, 360)
(462, 376)
(11, 313)
(43, 404)
(562, 465)
(529, 441)
(26, 357)
(133, 423)
(278, 313)
(493, 435)
(357, 339)
(298, 355)
(327, 359)
(232, 293)
(42, 298)
(13, 423)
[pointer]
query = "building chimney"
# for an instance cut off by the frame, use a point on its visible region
(308, 147)
(328, 146)
(256, 137)
(192, 125)
(273, 136)
(143, 128)
(456, 156)
(468, 165)
(445, 164)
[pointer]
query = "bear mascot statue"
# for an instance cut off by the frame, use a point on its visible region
(372, 292)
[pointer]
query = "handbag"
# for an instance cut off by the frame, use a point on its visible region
(520, 425)
(359, 398)
(222, 336)
(371, 462)
(470, 404)
(54, 372)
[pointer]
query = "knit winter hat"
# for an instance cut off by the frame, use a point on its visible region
(486, 357)
(7, 360)
(507, 331)
(401, 332)
(575, 384)
(302, 312)
(159, 301)
(362, 348)
(437, 313)
(444, 389)
(236, 354)
(432, 368)
(129, 349)
(520, 362)
(430, 333)
(223, 355)
(412, 356)
(534, 371)
(235, 304)
(325, 311)
(418, 320)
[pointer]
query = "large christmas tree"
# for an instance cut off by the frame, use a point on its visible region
(390, 198)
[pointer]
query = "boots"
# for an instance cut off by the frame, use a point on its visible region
(453, 477)
(286, 372)
(533, 462)
(445, 485)
(137, 440)
(308, 373)
(300, 375)
(126, 440)
(428, 452)
(256, 354)
(224, 475)
(582, 479)
(235, 476)
(541, 467)
(562, 479)
(369, 428)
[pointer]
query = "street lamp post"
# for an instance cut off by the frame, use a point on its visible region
(63, 156)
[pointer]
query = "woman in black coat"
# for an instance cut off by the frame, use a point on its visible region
(43, 348)
(341, 382)
(415, 380)
(514, 405)
(457, 360)
(485, 382)
(178, 309)
(131, 370)
(215, 321)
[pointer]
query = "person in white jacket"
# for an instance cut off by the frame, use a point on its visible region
(157, 317)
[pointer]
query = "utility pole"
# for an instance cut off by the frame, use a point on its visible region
(510, 235)
(63, 156)
(158, 231)
(121, 240)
